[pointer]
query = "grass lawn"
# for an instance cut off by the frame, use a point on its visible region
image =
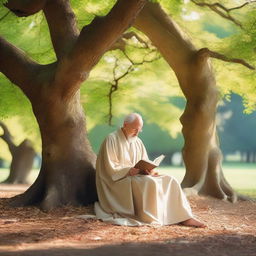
(242, 177)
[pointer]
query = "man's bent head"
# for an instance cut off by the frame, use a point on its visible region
(132, 125)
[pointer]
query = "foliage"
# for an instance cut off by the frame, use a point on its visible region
(136, 91)
(149, 87)
(208, 29)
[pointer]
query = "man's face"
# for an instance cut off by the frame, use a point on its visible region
(134, 128)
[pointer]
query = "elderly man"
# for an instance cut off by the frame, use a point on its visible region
(128, 198)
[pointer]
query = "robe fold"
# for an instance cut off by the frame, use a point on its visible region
(135, 200)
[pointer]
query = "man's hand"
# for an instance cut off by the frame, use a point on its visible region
(154, 173)
(133, 171)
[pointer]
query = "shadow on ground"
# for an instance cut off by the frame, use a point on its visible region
(219, 245)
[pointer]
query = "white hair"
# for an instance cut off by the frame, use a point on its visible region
(132, 117)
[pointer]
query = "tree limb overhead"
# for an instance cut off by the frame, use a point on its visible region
(12, 58)
(224, 11)
(93, 41)
(222, 57)
(26, 8)
(62, 25)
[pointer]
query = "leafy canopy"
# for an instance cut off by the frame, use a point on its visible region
(148, 87)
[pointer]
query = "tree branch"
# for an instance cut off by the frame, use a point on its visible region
(114, 87)
(121, 42)
(222, 57)
(242, 5)
(173, 44)
(116, 79)
(23, 8)
(103, 32)
(93, 41)
(62, 25)
(223, 11)
(16, 66)
(132, 34)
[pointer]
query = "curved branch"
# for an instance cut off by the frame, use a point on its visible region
(121, 42)
(16, 66)
(222, 57)
(165, 35)
(62, 25)
(242, 5)
(116, 79)
(26, 8)
(132, 34)
(112, 89)
(223, 11)
(93, 41)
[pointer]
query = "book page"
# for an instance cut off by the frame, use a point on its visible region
(158, 160)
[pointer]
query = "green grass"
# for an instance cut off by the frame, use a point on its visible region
(242, 177)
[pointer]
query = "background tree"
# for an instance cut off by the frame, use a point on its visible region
(22, 158)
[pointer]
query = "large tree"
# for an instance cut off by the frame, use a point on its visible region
(67, 171)
(201, 153)
(194, 73)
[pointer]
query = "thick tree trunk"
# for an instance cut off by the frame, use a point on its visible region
(67, 174)
(68, 163)
(201, 153)
(22, 158)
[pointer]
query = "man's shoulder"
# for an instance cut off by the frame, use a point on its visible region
(112, 135)
(139, 141)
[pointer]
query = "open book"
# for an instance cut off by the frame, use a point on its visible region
(148, 165)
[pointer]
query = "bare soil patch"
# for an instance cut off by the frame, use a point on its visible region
(28, 231)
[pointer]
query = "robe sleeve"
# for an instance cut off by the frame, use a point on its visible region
(113, 167)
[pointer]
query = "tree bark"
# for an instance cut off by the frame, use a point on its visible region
(22, 158)
(67, 174)
(201, 153)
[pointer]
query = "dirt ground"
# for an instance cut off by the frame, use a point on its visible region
(28, 231)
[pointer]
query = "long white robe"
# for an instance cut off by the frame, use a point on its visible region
(135, 200)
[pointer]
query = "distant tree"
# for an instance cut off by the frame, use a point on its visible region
(22, 158)
(236, 129)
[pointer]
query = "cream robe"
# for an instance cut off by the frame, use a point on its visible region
(135, 200)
